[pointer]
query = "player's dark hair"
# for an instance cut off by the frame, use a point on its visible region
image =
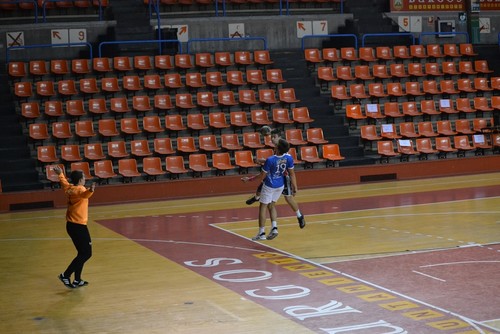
(283, 146)
(76, 176)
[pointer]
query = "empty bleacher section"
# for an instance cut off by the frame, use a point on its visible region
(126, 108)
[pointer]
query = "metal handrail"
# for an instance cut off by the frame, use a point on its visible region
(330, 35)
(7, 51)
(189, 42)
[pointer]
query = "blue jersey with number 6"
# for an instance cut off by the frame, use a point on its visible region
(276, 167)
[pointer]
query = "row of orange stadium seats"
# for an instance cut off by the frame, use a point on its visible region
(107, 128)
(439, 145)
(154, 81)
(197, 163)
(396, 70)
(426, 129)
(412, 89)
(412, 109)
(119, 105)
(184, 101)
(313, 55)
(40, 4)
(144, 63)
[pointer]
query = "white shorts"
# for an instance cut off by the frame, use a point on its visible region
(268, 194)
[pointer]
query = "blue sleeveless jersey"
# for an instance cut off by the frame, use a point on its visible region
(276, 167)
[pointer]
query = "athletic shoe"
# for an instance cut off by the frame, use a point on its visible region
(251, 200)
(302, 221)
(260, 236)
(80, 283)
(65, 281)
(273, 234)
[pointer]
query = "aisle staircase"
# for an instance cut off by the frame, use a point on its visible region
(298, 76)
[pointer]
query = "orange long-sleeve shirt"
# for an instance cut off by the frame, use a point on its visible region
(78, 201)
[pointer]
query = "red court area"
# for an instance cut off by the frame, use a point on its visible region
(442, 291)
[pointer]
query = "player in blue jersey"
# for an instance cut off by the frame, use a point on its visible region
(288, 192)
(272, 176)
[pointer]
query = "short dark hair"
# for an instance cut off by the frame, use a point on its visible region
(283, 146)
(76, 176)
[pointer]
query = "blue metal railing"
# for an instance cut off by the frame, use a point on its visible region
(399, 34)
(160, 41)
(329, 36)
(16, 2)
(197, 40)
(35, 46)
(423, 34)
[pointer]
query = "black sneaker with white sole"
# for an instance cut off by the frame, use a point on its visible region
(80, 283)
(302, 221)
(273, 234)
(66, 281)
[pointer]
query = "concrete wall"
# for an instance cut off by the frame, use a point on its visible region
(280, 32)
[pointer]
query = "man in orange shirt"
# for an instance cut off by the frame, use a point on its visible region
(76, 226)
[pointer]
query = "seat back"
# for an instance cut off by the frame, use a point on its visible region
(367, 54)
(59, 66)
(194, 80)
(117, 149)
(175, 164)
(312, 55)
(45, 88)
(183, 61)
(70, 153)
(163, 62)
(140, 147)
(82, 166)
(110, 85)
(93, 151)
(163, 146)
(385, 147)
(122, 64)
(89, 85)
(61, 130)
(101, 64)
(230, 141)
(208, 143)
(142, 62)
(107, 128)
(186, 144)
(38, 131)
(244, 158)
(104, 169)
(203, 60)
(260, 117)
(275, 76)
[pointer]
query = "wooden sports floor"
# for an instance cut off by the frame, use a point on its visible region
(420, 256)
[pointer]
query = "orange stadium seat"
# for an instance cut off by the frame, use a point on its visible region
(198, 164)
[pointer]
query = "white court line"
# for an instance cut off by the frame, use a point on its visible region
(333, 192)
(471, 322)
(418, 272)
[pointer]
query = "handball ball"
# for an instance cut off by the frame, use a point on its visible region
(265, 130)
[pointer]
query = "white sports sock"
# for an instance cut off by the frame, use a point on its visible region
(262, 230)
(298, 213)
(274, 224)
